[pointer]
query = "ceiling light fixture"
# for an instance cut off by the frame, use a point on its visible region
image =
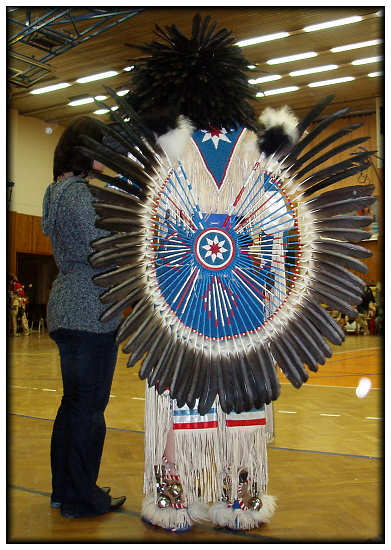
(356, 45)
(367, 60)
(104, 111)
(130, 68)
(335, 23)
(278, 91)
(50, 88)
(259, 39)
(251, 66)
(267, 78)
(314, 70)
(378, 73)
(100, 97)
(287, 59)
(92, 77)
(333, 81)
(122, 92)
(81, 101)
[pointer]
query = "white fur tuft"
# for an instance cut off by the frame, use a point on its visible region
(175, 141)
(223, 516)
(220, 514)
(198, 512)
(174, 519)
(171, 519)
(280, 117)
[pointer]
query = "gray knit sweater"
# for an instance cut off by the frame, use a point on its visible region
(68, 218)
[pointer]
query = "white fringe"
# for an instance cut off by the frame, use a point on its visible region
(204, 458)
(245, 449)
(269, 422)
(223, 516)
(198, 463)
(157, 422)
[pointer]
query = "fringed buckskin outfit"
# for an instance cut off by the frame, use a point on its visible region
(220, 459)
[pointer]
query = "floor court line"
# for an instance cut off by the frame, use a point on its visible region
(310, 451)
(331, 360)
(355, 350)
(269, 446)
(52, 420)
(327, 386)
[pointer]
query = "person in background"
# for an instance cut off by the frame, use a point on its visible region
(21, 316)
(363, 310)
(87, 347)
(13, 305)
(367, 298)
(13, 282)
(18, 306)
(341, 320)
(371, 318)
(351, 326)
(379, 302)
(28, 291)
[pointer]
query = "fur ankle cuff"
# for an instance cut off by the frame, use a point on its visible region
(224, 516)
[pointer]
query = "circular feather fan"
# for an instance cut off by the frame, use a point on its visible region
(226, 282)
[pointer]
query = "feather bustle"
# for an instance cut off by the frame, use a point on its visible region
(118, 307)
(325, 143)
(316, 337)
(130, 324)
(150, 360)
(121, 290)
(331, 179)
(111, 242)
(342, 222)
(208, 395)
(285, 363)
(303, 351)
(143, 344)
(340, 260)
(116, 276)
(325, 323)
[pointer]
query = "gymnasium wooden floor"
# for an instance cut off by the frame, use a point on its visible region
(326, 464)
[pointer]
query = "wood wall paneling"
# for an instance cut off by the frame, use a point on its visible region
(40, 242)
(23, 228)
(25, 235)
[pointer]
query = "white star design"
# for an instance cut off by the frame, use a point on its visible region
(215, 249)
(215, 135)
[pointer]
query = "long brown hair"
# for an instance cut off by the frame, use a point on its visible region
(66, 159)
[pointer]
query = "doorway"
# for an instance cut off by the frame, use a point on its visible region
(37, 273)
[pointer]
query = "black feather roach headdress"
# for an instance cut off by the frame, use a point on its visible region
(202, 77)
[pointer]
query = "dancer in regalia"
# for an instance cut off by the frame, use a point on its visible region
(222, 253)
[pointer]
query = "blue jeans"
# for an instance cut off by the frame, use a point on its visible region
(87, 367)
